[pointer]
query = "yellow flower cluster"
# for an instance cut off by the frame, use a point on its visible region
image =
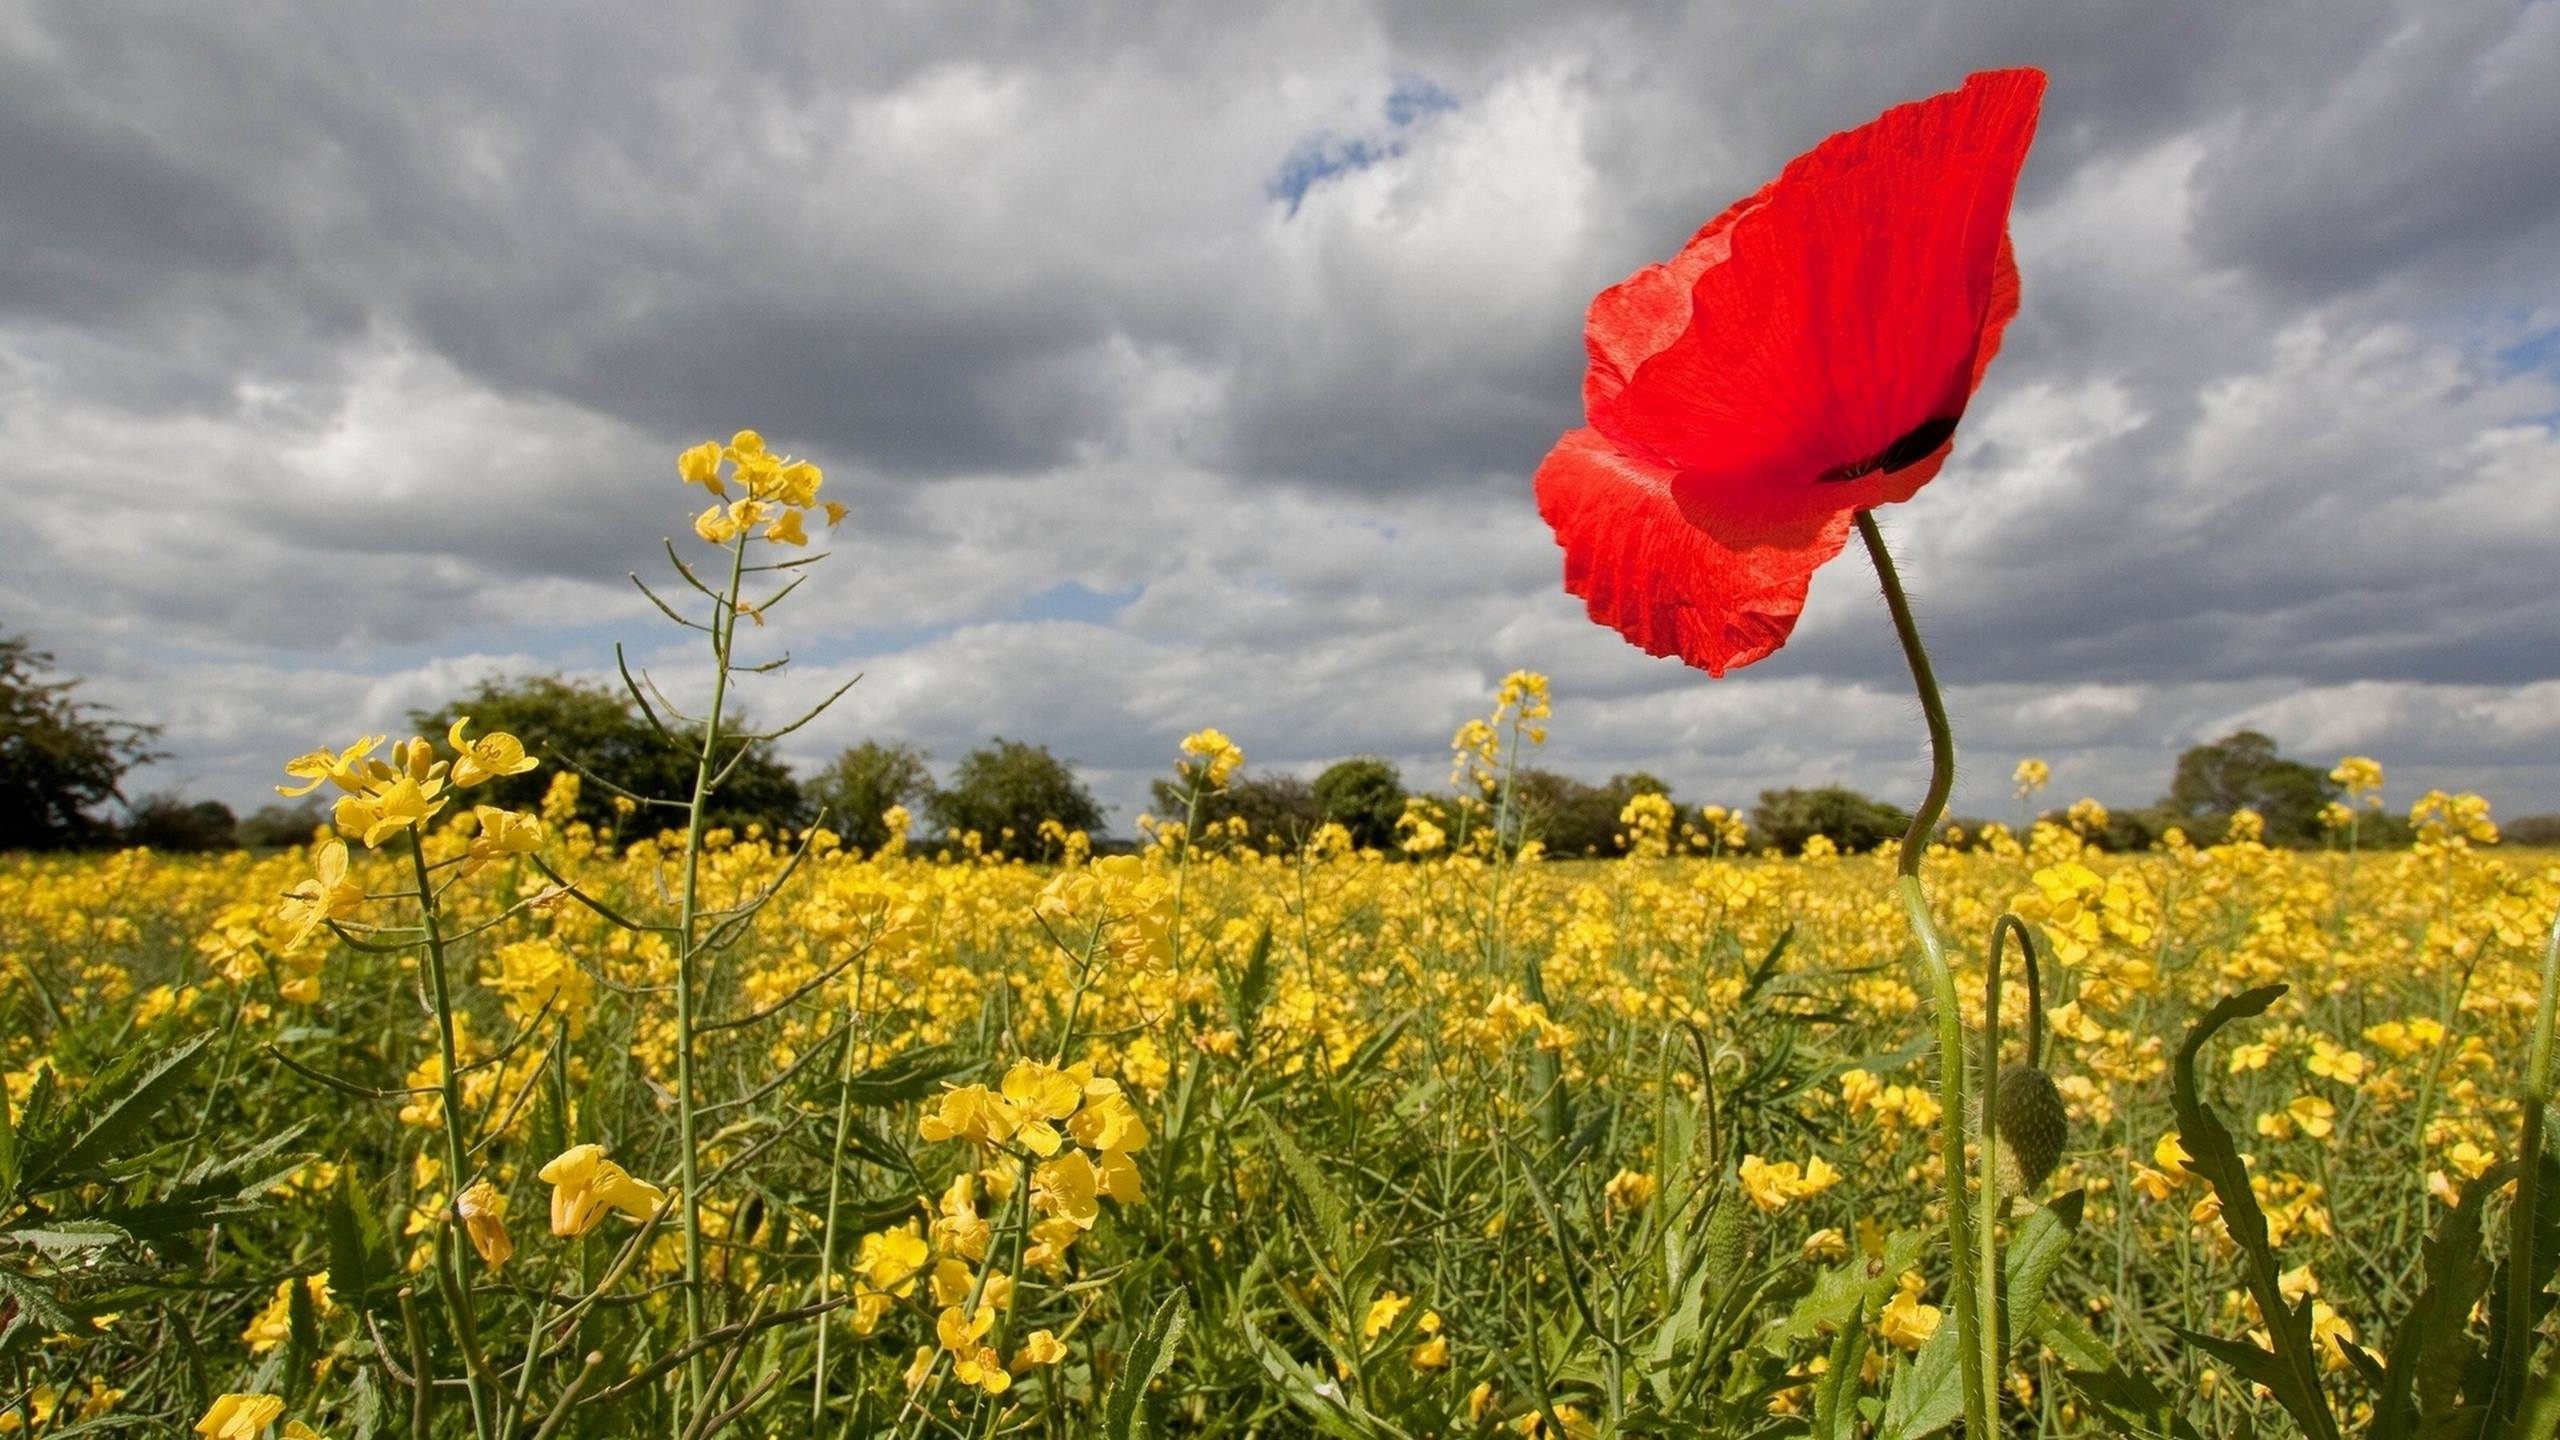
(779, 491)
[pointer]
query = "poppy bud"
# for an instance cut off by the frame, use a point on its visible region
(2032, 1128)
(1728, 1245)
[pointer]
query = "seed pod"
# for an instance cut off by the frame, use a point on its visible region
(1728, 1243)
(2032, 1128)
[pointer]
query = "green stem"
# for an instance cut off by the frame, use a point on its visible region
(1942, 980)
(724, 632)
(449, 1084)
(2523, 1275)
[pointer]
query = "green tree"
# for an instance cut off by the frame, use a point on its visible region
(1365, 795)
(863, 782)
(1281, 806)
(276, 826)
(60, 757)
(1576, 819)
(2243, 770)
(168, 822)
(1004, 789)
(1788, 818)
(603, 732)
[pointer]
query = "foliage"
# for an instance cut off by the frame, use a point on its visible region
(1276, 811)
(60, 757)
(274, 826)
(1854, 824)
(2242, 771)
(602, 732)
(861, 785)
(167, 822)
(1577, 819)
(1001, 792)
(1365, 795)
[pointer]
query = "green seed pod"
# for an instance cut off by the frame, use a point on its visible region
(1728, 1243)
(2032, 1128)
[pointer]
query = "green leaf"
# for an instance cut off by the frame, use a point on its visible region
(1252, 989)
(8, 1152)
(361, 1272)
(1929, 1396)
(1324, 1204)
(2432, 1348)
(1843, 1292)
(910, 1075)
(1323, 1401)
(37, 1306)
(1124, 1411)
(2292, 1370)
(60, 1237)
(117, 1105)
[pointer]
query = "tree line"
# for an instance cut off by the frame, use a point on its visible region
(63, 761)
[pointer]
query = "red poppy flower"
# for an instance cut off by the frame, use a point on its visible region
(1805, 357)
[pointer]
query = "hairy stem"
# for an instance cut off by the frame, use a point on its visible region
(1942, 980)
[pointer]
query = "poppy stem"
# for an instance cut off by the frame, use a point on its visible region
(1979, 1397)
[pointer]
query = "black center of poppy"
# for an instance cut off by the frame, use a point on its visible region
(1914, 447)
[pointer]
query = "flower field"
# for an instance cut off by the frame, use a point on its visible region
(1442, 1144)
(481, 1114)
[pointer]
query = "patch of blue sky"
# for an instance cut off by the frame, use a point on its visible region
(1319, 157)
(1070, 600)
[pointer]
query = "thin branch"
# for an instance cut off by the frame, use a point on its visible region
(712, 1339)
(663, 607)
(707, 1026)
(647, 711)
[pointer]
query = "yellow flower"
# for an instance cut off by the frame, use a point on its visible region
(296, 1430)
(890, 1260)
(240, 1417)
(1110, 1125)
(786, 530)
(1067, 1188)
(2030, 776)
(585, 1185)
(375, 817)
(501, 833)
(1043, 1347)
(715, 526)
(1907, 1322)
(1219, 756)
(2329, 1062)
(973, 1113)
(701, 466)
(1631, 1190)
(1433, 1352)
(484, 1219)
(329, 895)
(344, 769)
(492, 755)
(1382, 1314)
(274, 1325)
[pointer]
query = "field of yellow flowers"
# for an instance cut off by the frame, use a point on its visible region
(469, 1121)
(1441, 1143)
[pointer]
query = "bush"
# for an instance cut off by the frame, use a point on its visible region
(604, 733)
(1785, 819)
(863, 782)
(278, 827)
(60, 758)
(166, 822)
(1003, 790)
(1364, 795)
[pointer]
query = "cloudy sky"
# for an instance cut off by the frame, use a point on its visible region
(1186, 365)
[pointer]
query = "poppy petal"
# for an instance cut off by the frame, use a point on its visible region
(1643, 570)
(1808, 357)
(1633, 320)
